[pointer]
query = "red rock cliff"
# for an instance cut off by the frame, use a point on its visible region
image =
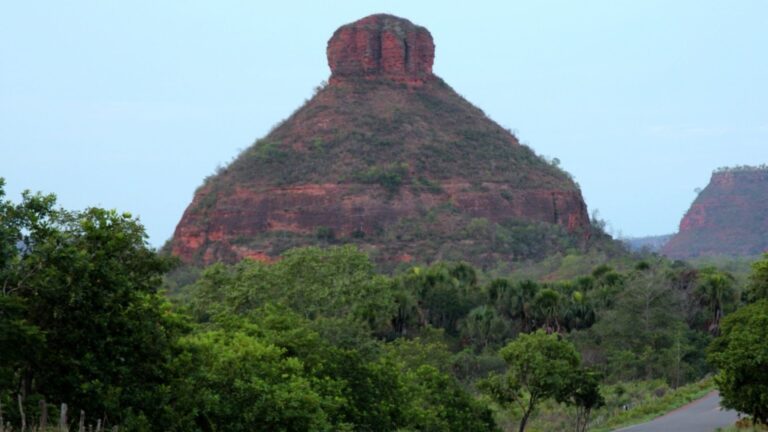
(389, 157)
(381, 45)
(729, 217)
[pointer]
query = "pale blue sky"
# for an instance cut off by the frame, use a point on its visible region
(130, 104)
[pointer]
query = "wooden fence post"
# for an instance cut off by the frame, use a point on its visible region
(82, 422)
(63, 426)
(43, 415)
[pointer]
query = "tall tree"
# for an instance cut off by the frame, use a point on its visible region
(741, 356)
(514, 301)
(444, 293)
(483, 327)
(639, 331)
(585, 395)
(758, 280)
(539, 367)
(548, 305)
(84, 285)
(335, 282)
(716, 292)
(579, 311)
(239, 382)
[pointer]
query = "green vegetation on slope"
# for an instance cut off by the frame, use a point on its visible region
(431, 130)
(413, 173)
(528, 249)
(320, 340)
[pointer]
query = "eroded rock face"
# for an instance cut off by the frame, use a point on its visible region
(381, 46)
(729, 217)
(389, 157)
(348, 210)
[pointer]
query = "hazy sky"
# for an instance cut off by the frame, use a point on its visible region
(130, 104)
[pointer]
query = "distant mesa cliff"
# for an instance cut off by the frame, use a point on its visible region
(729, 217)
(388, 156)
(648, 243)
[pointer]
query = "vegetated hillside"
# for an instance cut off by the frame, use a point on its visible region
(647, 243)
(729, 217)
(388, 156)
(320, 340)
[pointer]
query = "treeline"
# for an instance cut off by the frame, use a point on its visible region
(742, 168)
(320, 340)
(653, 321)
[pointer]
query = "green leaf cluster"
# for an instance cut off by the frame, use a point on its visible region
(319, 340)
(81, 321)
(741, 356)
(543, 366)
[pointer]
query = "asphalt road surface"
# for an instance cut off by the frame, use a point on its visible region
(703, 415)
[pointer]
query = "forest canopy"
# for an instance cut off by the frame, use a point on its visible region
(320, 340)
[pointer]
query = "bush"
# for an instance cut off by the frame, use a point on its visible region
(741, 355)
(389, 177)
(325, 233)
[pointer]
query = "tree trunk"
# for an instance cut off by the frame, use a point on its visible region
(579, 415)
(524, 421)
(21, 412)
(583, 420)
(526, 414)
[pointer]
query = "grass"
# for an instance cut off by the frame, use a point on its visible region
(652, 407)
(646, 399)
(743, 427)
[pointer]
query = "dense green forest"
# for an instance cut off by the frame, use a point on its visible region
(92, 317)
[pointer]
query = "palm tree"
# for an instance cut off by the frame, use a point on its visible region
(716, 292)
(579, 312)
(548, 305)
(482, 326)
(514, 301)
(407, 314)
(522, 304)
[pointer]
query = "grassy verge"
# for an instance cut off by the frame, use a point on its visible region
(743, 425)
(741, 429)
(652, 407)
(626, 403)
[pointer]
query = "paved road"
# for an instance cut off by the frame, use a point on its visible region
(703, 415)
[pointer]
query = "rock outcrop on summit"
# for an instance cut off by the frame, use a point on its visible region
(389, 157)
(382, 46)
(729, 217)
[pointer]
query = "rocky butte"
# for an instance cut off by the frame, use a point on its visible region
(728, 217)
(385, 155)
